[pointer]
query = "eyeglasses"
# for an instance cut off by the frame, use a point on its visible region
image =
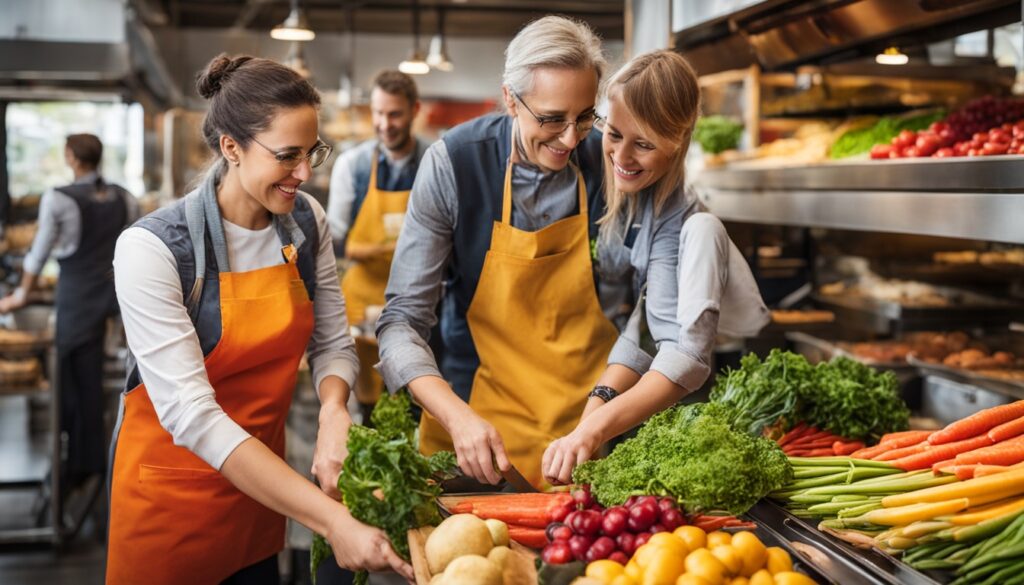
(556, 126)
(291, 159)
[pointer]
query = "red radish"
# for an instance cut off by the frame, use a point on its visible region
(561, 513)
(614, 521)
(579, 545)
(672, 519)
(557, 553)
(641, 517)
(658, 528)
(667, 504)
(626, 542)
(619, 557)
(641, 539)
(559, 532)
(583, 498)
(587, 522)
(601, 549)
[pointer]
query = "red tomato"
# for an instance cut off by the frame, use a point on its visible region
(992, 148)
(881, 150)
(944, 153)
(961, 148)
(999, 135)
(911, 152)
(980, 137)
(926, 144)
(904, 139)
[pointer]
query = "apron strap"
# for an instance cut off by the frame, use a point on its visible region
(374, 157)
(506, 197)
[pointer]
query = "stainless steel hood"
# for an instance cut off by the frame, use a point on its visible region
(781, 34)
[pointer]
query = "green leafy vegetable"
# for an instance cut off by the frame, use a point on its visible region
(717, 133)
(385, 481)
(861, 140)
(694, 454)
(843, 396)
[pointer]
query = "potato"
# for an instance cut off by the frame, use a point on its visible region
(499, 555)
(499, 532)
(472, 570)
(437, 579)
(458, 535)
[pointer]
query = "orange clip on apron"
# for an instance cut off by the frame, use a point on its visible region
(538, 328)
(379, 221)
(174, 519)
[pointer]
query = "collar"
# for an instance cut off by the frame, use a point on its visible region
(86, 179)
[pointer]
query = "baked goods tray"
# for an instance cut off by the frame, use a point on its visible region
(980, 379)
(887, 317)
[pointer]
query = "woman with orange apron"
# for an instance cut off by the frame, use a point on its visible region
(222, 293)
(506, 206)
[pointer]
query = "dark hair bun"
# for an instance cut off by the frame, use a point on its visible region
(217, 72)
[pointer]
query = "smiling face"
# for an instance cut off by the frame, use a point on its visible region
(638, 158)
(393, 116)
(557, 95)
(265, 180)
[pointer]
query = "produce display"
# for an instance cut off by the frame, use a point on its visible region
(805, 440)
(716, 134)
(984, 127)
(697, 454)
(861, 140)
(843, 397)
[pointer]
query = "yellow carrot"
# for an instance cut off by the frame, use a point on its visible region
(903, 515)
(1010, 482)
(983, 470)
(971, 517)
(993, 496)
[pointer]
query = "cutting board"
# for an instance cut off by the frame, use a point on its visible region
(520, 569)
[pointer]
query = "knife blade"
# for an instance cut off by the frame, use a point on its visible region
(517, 481)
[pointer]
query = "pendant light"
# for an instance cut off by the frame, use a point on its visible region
(416, 64)
(437, 57)
(295, 27)
(891, 56)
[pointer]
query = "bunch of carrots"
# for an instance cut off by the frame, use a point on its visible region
(527, 515)
(805, 440)
(987, 441)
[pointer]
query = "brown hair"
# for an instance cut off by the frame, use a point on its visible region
(397, 83)
(661, 90)
(86, 148)
(245, 94)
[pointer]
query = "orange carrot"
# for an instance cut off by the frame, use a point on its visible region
(820, 452)
(527, 536)
(978, 423)
(946, 466)
(1008, 452)
(907, 438)
(926, 458)
(1007, 430)
(792, 434)
(870, 452)
(964, 472)
(810, 437)
(846, 447)
(903, 452)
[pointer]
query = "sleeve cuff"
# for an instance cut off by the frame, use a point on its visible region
(339, 367)
(219, 441)
(627, 353)
(404, 356)
(680, 367)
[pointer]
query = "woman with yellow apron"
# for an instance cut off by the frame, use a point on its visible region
(222, 293)
(506, 207)
(692, 281)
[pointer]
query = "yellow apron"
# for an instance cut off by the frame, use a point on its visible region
(379, 221)
(539, 332)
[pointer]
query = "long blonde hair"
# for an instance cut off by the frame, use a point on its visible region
(660, 90)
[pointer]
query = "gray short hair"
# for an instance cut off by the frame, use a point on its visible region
(552, 41)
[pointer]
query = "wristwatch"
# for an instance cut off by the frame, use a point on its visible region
(605, 393)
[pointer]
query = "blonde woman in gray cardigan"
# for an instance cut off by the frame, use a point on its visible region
(691, 281)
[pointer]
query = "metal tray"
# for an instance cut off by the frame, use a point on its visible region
(892, 318)
(970, 378)
(842, 562)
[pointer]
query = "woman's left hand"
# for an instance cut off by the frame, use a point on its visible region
(331, 448)
(564, 454)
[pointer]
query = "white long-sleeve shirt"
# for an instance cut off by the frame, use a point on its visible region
(164, 341)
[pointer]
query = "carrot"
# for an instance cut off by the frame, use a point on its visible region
(737, 523)
(1008, 452)
(1006, 484)
(527, 536)
(870, 452)
(905, 437)
(964, 472)
(811, 437)
(978, 423)
(902, 452)
(944, 466)
(926, 458)
(846, 447)
(1007, 430)
(711, 523)
(820, 452)
(792, 434)
(981, 469)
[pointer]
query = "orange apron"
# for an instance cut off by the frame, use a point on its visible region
(379, 222)
(540, 334)
(173, 518)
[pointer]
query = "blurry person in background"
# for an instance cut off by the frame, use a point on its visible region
(369, 191)
(79, 224)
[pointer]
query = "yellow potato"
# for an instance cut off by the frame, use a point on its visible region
(751, 550)
(633, 570)
(701, 562)
(762, 577)
(664, 568)
(623, 580)
(730, 558)
(604, 570)
(739, 581)
(693, 537)
(778, 560)
(718, 537)
(671, 541)
(691, 579)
